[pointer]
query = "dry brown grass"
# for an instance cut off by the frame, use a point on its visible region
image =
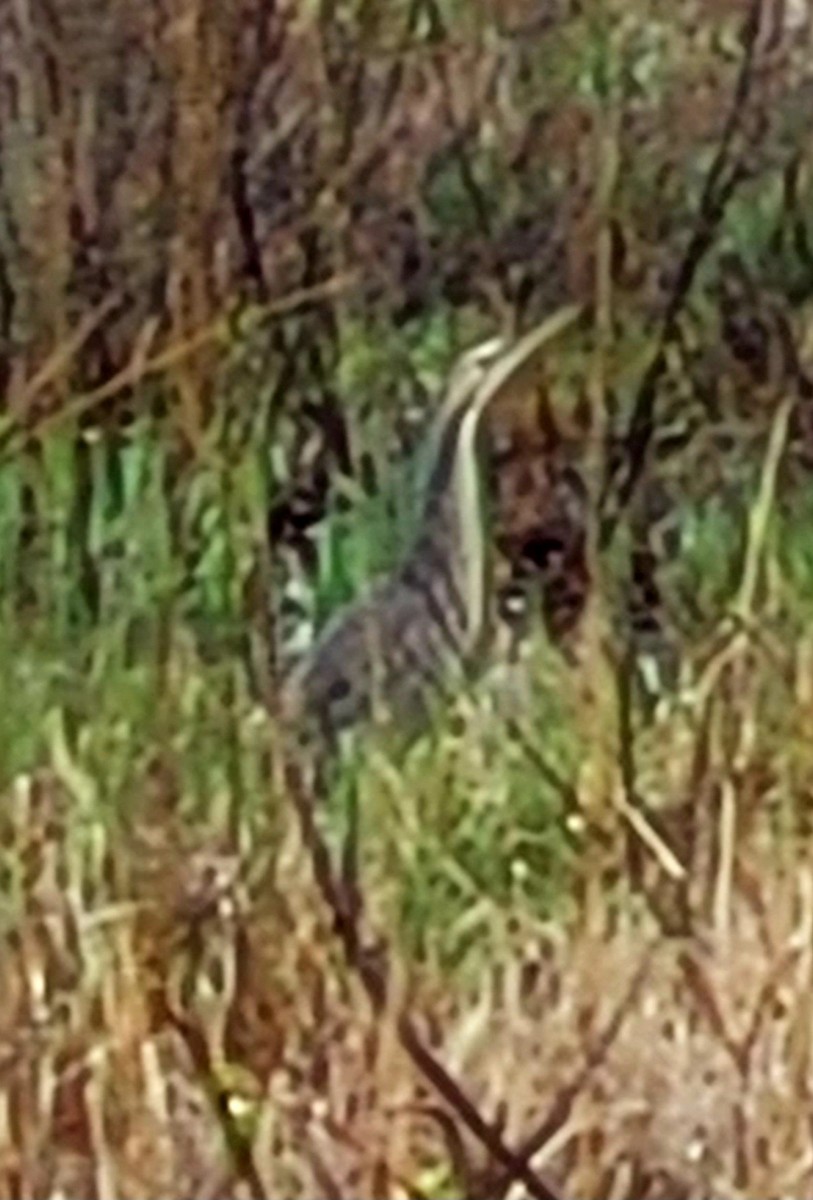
(176, 1016)
(196, 1033)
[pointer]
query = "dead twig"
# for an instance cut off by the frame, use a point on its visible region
(57, 363)
(140, 368)
(722, 181)
(237, 1145)
(369, 962)
(560, 1110)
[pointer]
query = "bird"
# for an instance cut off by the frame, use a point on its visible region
(387, 657)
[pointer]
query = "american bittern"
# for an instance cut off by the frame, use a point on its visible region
(387, 654)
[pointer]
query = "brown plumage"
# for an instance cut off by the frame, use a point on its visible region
(386, 656)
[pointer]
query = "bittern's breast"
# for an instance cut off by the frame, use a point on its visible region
(385, 657)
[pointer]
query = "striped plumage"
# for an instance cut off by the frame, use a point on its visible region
(417, 630)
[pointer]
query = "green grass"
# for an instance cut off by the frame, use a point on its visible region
(124, 636)
(124, 650)
(149, 659)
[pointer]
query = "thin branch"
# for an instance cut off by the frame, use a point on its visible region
(438, 34)
(58, 362)
(140, 368)
(563, 1103)
(238, 1147)
(370, 964)
(721, 182)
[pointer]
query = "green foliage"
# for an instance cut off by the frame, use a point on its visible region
(793, 540)
(122, 586)
(711, 556)
(483, 838)
(466, 162)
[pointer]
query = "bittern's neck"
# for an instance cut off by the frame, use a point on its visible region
(452, 535)
(446, 463)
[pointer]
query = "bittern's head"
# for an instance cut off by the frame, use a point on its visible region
(485, 377)
(501, 367)
(468, 376)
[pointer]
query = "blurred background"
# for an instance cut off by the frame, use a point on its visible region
(241, 245)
